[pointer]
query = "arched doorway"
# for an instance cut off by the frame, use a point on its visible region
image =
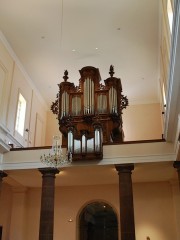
(98, 221)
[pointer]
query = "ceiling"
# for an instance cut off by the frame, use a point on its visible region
(51, 36)
(94, 175)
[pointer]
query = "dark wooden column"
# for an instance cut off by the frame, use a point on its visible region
(47, 203)
(2, 175)
(177, 166)
(126, 201)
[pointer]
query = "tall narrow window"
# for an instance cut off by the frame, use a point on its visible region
(170, 14)
(20, 115)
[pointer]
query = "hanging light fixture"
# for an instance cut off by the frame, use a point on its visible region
(55, 158)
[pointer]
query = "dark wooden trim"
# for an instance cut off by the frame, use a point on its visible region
(30, 148)
(136, 142)
(1, 228)
(105, 144)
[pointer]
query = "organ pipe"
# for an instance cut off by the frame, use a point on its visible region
(70, 141)
(76, 105)
(113, 100)
(65, 104)
(88, 96)
(92, 97)
(83, 143)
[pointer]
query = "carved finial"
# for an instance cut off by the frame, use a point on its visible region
(111, 70)
(65, 75)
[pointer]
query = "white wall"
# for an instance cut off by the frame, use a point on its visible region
(142, 122)
(154, 213)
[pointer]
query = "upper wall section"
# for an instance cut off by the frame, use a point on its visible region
(20, 103)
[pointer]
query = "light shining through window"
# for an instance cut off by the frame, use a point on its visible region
(20, 116)
(170, 14)
(164, 95)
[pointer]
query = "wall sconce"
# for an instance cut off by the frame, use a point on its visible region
(70, 220)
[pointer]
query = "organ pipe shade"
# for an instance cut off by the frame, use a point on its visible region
(88, 96)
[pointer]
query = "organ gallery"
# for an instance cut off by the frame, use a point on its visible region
(90, 114)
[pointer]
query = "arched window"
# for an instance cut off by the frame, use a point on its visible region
(98, 221)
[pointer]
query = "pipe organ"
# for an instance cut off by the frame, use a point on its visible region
(90, 115)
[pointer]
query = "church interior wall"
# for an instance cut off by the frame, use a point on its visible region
(153, 204)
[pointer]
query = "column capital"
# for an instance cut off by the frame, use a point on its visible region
(48, 171)
(124, 168)
(2, 174)
(177, 165)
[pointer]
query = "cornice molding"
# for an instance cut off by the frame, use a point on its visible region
(106, 161)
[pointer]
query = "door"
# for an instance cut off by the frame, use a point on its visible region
(98, 221)
(0, 232)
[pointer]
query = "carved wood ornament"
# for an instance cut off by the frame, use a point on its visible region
(90, 114)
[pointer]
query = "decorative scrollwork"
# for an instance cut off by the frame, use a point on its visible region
(88, 119)
(54, 107)
(102, 87)
(124, 102)
(66, 121)
(115, 117)
(78, 89)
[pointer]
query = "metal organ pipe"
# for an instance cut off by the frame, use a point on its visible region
(64, 96)
(70, 141)
(76, 105)
(89, 95)
(97, 140)
(84, 97)
(110, 100)
(65, 104)
(92, 97)
(113, 100)
(83, 143)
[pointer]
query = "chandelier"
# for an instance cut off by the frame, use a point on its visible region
(55, 158)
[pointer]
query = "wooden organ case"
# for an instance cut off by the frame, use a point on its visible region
(90, 114)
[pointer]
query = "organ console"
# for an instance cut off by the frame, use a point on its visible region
(90, 114)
